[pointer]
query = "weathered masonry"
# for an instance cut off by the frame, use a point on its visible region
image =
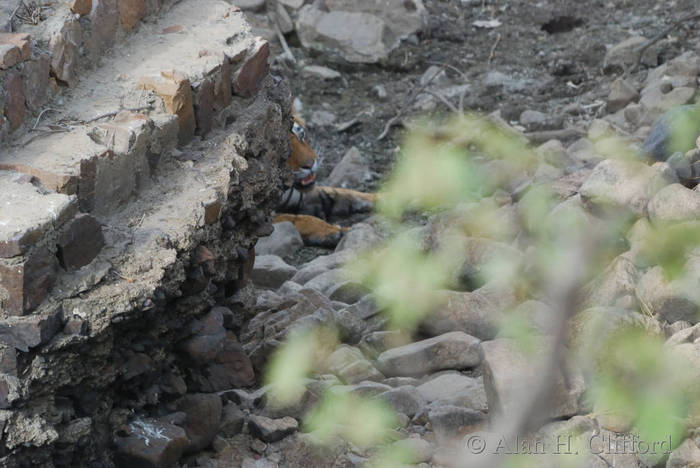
(143, 144)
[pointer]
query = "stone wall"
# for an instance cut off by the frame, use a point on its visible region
(127, 223)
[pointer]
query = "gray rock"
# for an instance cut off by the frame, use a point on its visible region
(657, 100)
(284, 240)
(509, 374)
(674, 203)
(453, 422)
(232, 420)
(670, 301)
(416, 449)
(669, 134)
(361, 236)
(554, 153)
(455, 389)
(203, 418)
(354, 37)
(622, 55)
(454, 350)
(622, 92)
(351, 367)
(250, 5)
(685, 455)
(351, 172)
(150, 442)
(404, 399)
(619, 279)
(403, 18)
(474, 313)
(318, 71)
(270, 271)
(686, 334)
(323, 118)
(321, 265)
(271, 430)
(625, 186)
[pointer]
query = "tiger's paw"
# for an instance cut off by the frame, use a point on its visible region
(314, 231)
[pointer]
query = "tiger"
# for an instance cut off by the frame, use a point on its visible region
(310, 206)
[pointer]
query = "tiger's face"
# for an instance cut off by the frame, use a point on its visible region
(302, 160)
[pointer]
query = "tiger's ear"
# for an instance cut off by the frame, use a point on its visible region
(295, 114)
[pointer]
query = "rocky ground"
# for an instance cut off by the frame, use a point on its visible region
(178, 380)
(554, 71)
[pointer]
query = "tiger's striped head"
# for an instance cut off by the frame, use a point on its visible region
(303, 159)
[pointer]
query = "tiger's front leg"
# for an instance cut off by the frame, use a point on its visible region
(314, 231)
(330, 202)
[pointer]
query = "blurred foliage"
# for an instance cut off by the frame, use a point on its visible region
(459, 172)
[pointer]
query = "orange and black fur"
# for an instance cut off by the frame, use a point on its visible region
(309, 206)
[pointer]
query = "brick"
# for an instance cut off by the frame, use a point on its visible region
(25, 284)
(27, 214)
(80, 242)
(222, 86)
(174, 88)
(64, 46)
(81, 7)
(131, 12)
(22, 41)
(204, 106)
(36, 82)
(14, 103)
(24, 333)
(249, 76)
(212, 211)
(10, 55)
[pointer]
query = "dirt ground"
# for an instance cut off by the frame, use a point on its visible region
(544, 56)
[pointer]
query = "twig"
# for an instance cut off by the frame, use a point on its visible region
(41, 114)
(283, 41)
(658, 37)
(14, 12)
(493, 48)
(113, 113)
(451, 67)
(443, 99)
(411, 98)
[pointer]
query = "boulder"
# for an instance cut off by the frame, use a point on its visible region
(453, 422)
(674, 203)
(622, 92)
(284, 240)
(270, 271)
(404, 399)
(669, 301)
(623, 186)
(455, 389)
(203, 418)
(354, 37)
(671, 133)
(361, 236)
(509, 374)
(474, 313)
(351, 172)
(150, 442)
(454, 350)
(271, 430)
(685, 455)
(623, 55)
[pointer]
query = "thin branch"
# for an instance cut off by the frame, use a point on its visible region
(41, 114)
(113, 113)
(658, 37)
(443, 99)
(493, 48)
(411, 98)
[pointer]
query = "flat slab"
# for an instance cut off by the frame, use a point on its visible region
(26, 213)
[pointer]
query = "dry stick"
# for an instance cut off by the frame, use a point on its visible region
(416, 91)
(443, 99)
(41, 114)
(493, 48)
(285, 46)
(19, 4)
(659, 36)
(113, 113)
